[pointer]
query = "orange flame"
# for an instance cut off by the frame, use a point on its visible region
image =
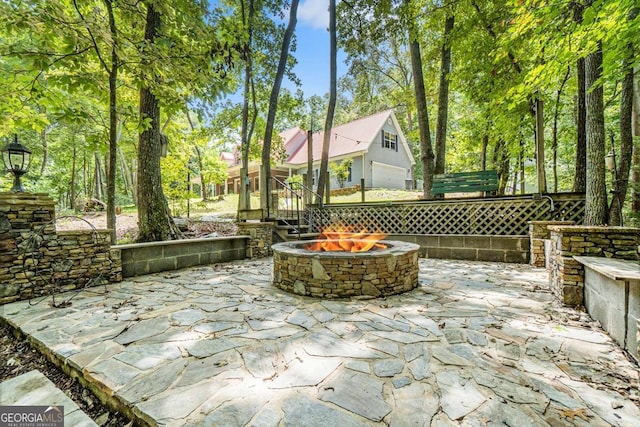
(343, 238)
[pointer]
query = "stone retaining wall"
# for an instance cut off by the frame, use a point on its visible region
(566, 275)
(36, 260)
(538, 234)
(260, 238)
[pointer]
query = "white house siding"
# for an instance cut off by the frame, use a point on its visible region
(381, 161)
(386, 176)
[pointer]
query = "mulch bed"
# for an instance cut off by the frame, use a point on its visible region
(18, 357)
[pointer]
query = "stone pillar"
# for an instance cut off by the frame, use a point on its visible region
(260, 238)
(20, 215)
(538, 233)
(566, 275)
(35, 260)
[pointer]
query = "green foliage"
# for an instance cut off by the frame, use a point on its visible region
(295, 182)
(54, 90)
(340, 170)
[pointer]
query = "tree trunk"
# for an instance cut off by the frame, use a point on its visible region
(244, 198)
(596, 192)
(85, 186)
(521, 167)
(443, 97)
(426, 148)
(72, 187)
(580, 176)
(635, 176)
(204, 182)
(554, 133)
(154, 219)
(128, 176)
(265, 186)
(323, 185)
(483, 154)
(539, 133)
(621, 183)
(113, 127)
(97, 173)
(45, 150)
(309, 183)
(501, 164)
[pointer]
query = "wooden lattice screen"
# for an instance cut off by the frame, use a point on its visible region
(507, 216)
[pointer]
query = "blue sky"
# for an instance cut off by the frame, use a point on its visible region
(312, 50)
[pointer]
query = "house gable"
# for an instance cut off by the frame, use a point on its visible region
(379, 149)
(351, 139)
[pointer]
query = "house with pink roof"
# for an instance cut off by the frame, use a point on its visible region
(376, 144)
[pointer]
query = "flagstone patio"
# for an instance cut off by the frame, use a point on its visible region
(474, 344)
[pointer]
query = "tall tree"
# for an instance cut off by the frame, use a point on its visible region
(111, 67)
(621, 182)
(596, 195)
(328, 124)
(635, 174)
(244, 199)
(426, 146)
(443, 96)
(154, 219)
(580, 176)
(273, 106)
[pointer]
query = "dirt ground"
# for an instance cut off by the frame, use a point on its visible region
(127, 225)
(17, 357)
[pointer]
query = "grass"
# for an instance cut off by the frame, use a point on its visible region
(227, 206)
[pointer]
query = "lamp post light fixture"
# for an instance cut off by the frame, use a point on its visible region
(16, 158)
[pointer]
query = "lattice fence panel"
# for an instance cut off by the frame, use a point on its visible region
(504, 216)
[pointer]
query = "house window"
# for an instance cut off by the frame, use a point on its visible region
(316, 173)
(390, 141)
(349, 177)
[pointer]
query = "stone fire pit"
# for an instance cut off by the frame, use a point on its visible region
(375, 273)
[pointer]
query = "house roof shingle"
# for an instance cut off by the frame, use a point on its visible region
(352, 137)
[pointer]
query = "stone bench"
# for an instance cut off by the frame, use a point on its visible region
(612, 296)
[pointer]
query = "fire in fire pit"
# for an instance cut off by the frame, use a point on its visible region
(386, 268)
(343, 238)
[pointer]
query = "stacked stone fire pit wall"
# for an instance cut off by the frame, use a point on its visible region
(342, 274)
(65, 260)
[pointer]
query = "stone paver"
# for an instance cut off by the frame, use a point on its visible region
(34, 389)
(473, 344)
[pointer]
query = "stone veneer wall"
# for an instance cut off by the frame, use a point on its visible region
(65, 260)
(566, 275)
(538, 234)
(260, 238)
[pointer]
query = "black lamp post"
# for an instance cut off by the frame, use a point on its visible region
(16, 158)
